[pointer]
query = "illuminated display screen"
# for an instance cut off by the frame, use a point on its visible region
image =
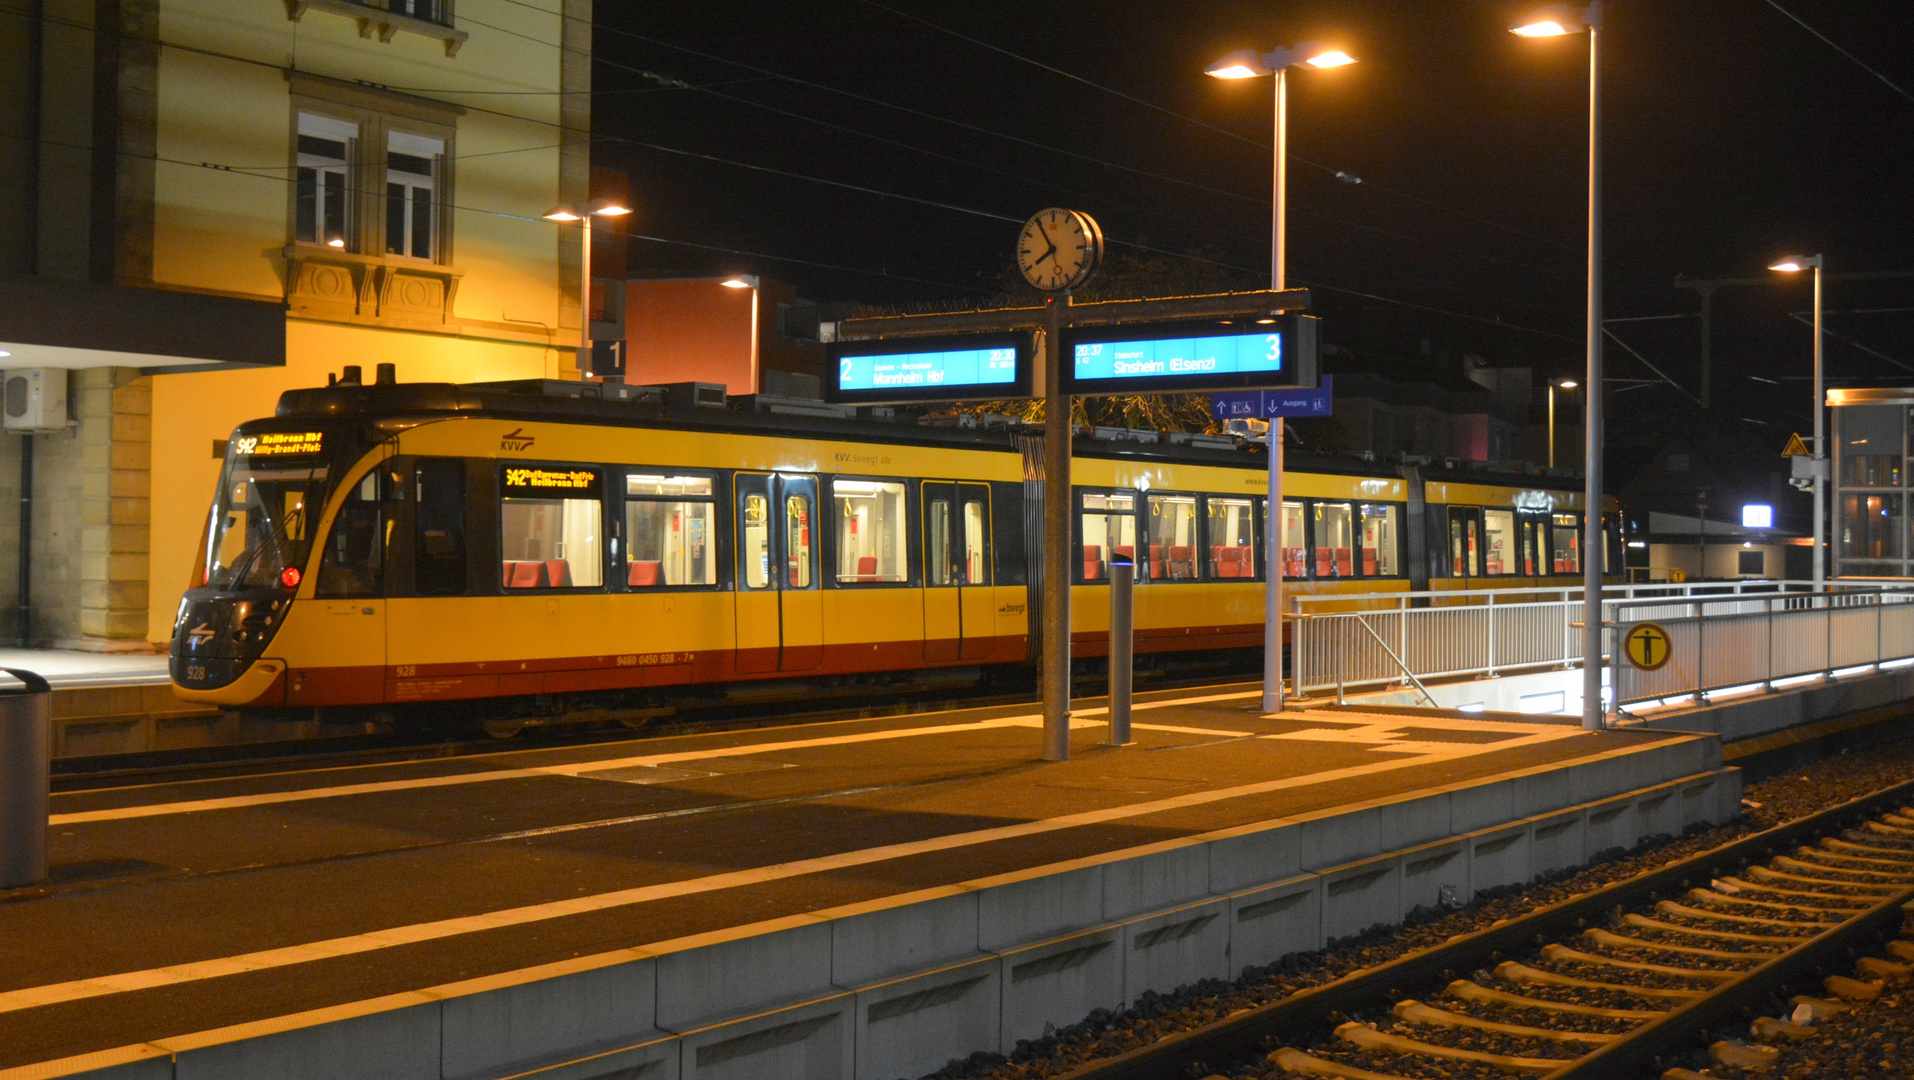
(279, 443)
(1178, 356)
(930, 369)
(524, 480)
(1191, 356)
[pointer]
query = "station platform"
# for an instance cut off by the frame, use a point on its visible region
(123, 703)
(844, 899)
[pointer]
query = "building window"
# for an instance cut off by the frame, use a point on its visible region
(1172, 535)
(427, 10)
(321, 191)
(871, 540)
(1232, 537)
(411, 199)
(669, 522)
(1379, 541)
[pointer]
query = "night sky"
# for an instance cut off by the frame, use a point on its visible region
(1731, 135)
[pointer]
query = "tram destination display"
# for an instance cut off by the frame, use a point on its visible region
(1238, 354)
(951, 368)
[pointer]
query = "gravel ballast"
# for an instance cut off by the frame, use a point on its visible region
(1769, 803)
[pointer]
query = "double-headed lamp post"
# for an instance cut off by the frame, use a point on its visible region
(1251, 64)
(1550, 23)
(1564, 384)
(570, 212)
(1791, 265)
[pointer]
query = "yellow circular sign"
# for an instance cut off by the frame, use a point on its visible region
(1678, 576)
(1646, 646)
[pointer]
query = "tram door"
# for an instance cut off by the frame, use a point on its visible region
(959, 607)
(1465, 542)
(780, 612)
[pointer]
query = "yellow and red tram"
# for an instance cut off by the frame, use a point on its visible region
(514, 550)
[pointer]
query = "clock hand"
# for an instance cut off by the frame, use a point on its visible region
(1045, 233)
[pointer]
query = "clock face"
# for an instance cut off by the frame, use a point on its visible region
(1058, 249)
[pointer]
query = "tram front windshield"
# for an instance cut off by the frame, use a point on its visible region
(262, 516)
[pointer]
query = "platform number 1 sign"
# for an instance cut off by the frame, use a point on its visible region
(1646, 646)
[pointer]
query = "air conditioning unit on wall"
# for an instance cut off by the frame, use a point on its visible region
(35, 400)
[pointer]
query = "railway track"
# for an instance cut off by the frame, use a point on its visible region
(1613, 983)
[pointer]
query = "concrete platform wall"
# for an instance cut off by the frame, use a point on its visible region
(898, 987)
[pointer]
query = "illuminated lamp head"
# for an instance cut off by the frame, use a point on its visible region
(289, 577)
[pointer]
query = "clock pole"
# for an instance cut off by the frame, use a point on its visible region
(1059, 542)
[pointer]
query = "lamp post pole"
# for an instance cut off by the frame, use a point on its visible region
(1556, 22)
(1249, 64)
(1794, 264)
(1593, 547)
(1820, 445)
(1273, 560)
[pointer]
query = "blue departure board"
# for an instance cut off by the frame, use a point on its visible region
(922, 370)
(1220, 355)
(953, 368)
(1195, 356)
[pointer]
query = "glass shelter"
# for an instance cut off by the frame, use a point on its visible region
(1868, 469)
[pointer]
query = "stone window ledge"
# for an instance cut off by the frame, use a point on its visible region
(378, 21)
(326, 283)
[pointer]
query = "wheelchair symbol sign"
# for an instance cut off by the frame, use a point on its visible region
(1646, 646)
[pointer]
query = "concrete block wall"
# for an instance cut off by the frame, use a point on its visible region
(899, 986)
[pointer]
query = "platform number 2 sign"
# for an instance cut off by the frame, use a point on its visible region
(1646, 646)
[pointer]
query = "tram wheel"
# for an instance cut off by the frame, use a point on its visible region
(502, 729)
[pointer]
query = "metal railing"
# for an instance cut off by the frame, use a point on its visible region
(1718, 643)
(1345, 640)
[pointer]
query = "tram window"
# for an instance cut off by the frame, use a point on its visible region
(551, 528)
(1171, 525)
(756, 556)
(1379, 541)
(938, 566)
(872, 541)
(1498, 526)
(1334, 549)
(975, 569)
(354, 561)
(1465, 556)
(1566, 553)
(438, 557)
(1232, 537)
(797, 541)
(1109, 527)
(1295, 543)
(668, 540)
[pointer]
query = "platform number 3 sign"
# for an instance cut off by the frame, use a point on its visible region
(1646, 646)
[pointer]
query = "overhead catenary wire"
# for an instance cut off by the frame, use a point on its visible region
(590, 138)
(1829, 42)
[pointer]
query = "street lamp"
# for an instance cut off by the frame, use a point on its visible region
(1791, 265)
(1250, 64)
(1549, 23)
(571, 212)
(1566, 384)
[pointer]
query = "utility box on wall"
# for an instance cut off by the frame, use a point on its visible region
(36, 400)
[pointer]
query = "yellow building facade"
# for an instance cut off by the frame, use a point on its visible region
(366, 179)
